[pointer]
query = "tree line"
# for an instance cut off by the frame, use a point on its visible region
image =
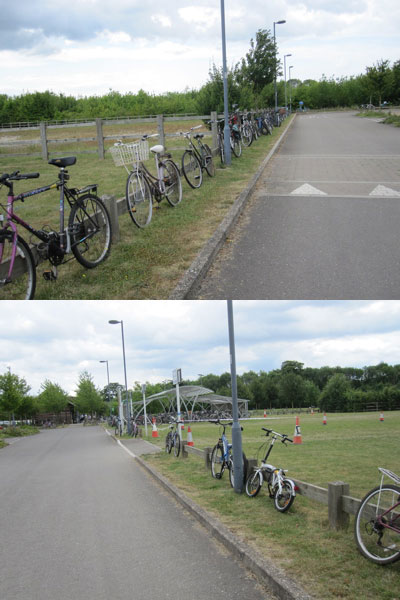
(332, 389)
(250, 83)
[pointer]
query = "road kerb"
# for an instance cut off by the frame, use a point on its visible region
(192, 278)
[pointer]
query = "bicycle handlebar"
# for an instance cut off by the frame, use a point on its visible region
(284, 437)
(17, 176)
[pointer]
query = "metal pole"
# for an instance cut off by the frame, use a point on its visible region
(178, 409)
(120, 409)
(284, 63)
(227, 132)
(275, 87)
(236, 429)
(290, 89)
(144, 407)
(126, 381)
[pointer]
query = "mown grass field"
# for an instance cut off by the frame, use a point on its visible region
(146, 263)
(349, 448)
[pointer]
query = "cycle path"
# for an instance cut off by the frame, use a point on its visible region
(323, 219)
(81, 519)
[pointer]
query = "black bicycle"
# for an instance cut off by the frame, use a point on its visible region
(222, 456)
(87, 237)
(196, 158)
(173, 439)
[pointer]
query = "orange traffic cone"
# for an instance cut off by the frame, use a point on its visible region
(154, 433)
(324, 421)
(297, 432)
(381, 417)
(182, 426)
(190, 437)
(265, 414)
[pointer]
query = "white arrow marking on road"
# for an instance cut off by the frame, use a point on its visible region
(307, 190)
(382, 190)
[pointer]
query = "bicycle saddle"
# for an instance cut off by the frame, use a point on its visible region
(198, 136)
(63, 162)
(159, 149)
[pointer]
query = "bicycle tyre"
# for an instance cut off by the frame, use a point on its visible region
(208, 160)
(247, 135)
(177, 445)
(217, 461)
(284, 500)
(21, 287)
(221, 150)
(236, 146)
(168, 443)
(139, 199)
(191, 169)
(231, 472)
(372, 541)
(253, 484)
(173, 184)
(90, 227)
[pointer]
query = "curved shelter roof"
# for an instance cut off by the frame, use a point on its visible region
(190, 396)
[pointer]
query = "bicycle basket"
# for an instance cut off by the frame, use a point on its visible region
(130, 154)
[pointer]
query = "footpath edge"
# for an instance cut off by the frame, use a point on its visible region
(192, 278)
(265, 570)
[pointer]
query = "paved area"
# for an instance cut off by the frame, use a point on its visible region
(324, 218)
(81, 519)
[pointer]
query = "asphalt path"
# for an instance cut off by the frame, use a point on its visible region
(80, 519)
(323, 221)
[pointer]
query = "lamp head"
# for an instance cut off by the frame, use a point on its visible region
(114, 322)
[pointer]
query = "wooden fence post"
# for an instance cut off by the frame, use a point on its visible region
(43, 139)
(160, 129)
(111, 205)
(184, 453)
(214, 129)
(338, 519)
(100, 137)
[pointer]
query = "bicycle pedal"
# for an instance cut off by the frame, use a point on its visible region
(50, 275)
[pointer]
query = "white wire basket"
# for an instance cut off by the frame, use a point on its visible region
(130, 154)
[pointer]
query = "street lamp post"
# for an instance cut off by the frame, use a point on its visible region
(236, 430)
(227, 133)
(108, 381)
(284, 69)
(275, 88)
(114, 322)
(290, 89)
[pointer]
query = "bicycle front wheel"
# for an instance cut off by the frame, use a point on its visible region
(374, 539)
(168, 443)
(90, 227)
(253, 484)
(20, 283)
(217, 462)
(191, 169)
(173, 184)
(236, 146)
(138, 199)
(283, 500)
(177, 445)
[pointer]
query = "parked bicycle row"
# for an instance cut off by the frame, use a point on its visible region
(86, 234)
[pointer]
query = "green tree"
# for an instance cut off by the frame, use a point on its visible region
(52, 397)
(13, 391)
(260, 63)
(336, 393)
(88, 398)
(379, 80)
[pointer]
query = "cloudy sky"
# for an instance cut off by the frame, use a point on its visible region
(58, 340)
(87, 47)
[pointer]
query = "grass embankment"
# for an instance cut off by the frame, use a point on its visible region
(146, 263)
(388, 118)
(18, 431)
(349, 448)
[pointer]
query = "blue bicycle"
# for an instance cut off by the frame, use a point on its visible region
(222, 457)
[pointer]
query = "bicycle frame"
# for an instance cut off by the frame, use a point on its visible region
(277, 473)
(388, 525)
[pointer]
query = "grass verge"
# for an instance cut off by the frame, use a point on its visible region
(326, 563)
(388, 118)
(146, 263)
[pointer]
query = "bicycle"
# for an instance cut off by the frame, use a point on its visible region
(173, 439)
(195, 159)
(142, 187)
(118, 427)
(88, 235)
(222, 457)
(377, 522)
(280, 488)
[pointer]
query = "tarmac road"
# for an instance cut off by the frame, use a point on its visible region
(323, 221)
(80, 519)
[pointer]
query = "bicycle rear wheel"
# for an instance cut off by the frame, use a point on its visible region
(236, 146)
(21, 283)
(191, 169)
(231, 470)
(168, 443)
(90, 227)
(375, 541)
(138, 199)
(177, 445)
(173, 184)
